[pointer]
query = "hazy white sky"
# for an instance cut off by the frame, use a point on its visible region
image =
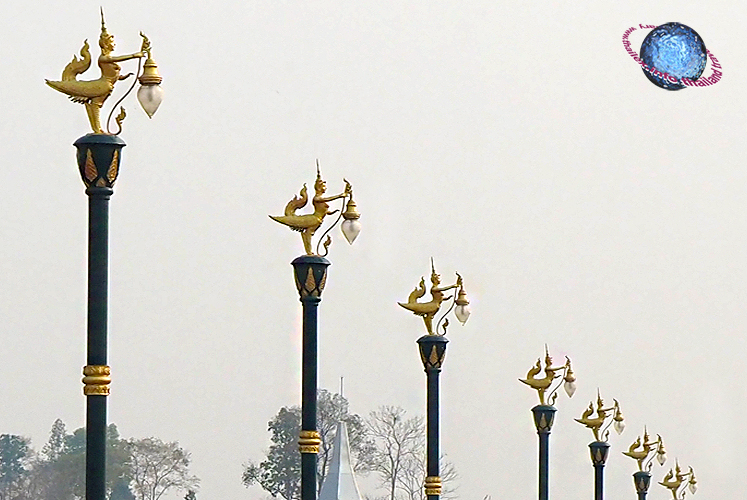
(516, 143)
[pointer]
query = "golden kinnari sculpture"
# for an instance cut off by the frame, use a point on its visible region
(675, 479)
(596, 424)
(542, 385)
(428, 310)
(641, 450)
(93, 93)
(307, 224)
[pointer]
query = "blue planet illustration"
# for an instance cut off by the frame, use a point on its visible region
(675, 50)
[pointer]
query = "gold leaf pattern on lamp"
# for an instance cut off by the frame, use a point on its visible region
(310, 285)
(434, 360)
(111, 174)
(90, 169)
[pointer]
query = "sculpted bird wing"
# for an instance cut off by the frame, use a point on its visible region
(418, 292)
(78, 66)
(534, 370)
(297, 202)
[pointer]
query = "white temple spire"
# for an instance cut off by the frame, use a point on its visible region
(339, 483)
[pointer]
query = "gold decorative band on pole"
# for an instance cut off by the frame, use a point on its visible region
(309, 442)
(96, 379)
(433, 485)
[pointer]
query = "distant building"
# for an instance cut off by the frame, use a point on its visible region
(339, 483)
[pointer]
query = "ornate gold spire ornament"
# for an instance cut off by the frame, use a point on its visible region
(307, 224)
(428, 310)
(542, 385)
(642, 448)
(597, 423)
(93, 93)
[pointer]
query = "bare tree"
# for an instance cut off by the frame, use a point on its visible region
(399, 456)
(412, 478)
(399, 443)
(157, 467)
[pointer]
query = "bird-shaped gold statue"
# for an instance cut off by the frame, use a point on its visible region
(596, 423)
(93, 93)
(642, 447)
(307, 224)
(674, 479)
(541, 385)
(427, 310)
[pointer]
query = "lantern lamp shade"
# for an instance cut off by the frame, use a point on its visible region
(150, 97)
(570, 387)
(462, 313)
(350, 229)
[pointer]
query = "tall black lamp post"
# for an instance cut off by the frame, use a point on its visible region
(99, 154)
(544, 413)
(643, 451)
(599, 448)
(432, 349)
(310, 272)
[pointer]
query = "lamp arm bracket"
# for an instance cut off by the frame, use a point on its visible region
(121, 117)
(557, 386)
(321, 238)
(453, 303)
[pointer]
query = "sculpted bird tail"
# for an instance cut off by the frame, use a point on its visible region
(296, 202)
(77, 66)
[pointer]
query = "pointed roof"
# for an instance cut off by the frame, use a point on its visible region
(339, 483)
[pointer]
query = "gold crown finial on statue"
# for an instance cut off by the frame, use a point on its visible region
(103, 24)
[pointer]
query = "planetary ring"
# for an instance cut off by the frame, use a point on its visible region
(700, 82)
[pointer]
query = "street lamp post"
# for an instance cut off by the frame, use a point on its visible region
(432, 347)
(599, 448)
(643, 451)
(310, 273)
(98, 155)
(543, 413)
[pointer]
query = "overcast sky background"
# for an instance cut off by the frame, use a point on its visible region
(516, 143)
